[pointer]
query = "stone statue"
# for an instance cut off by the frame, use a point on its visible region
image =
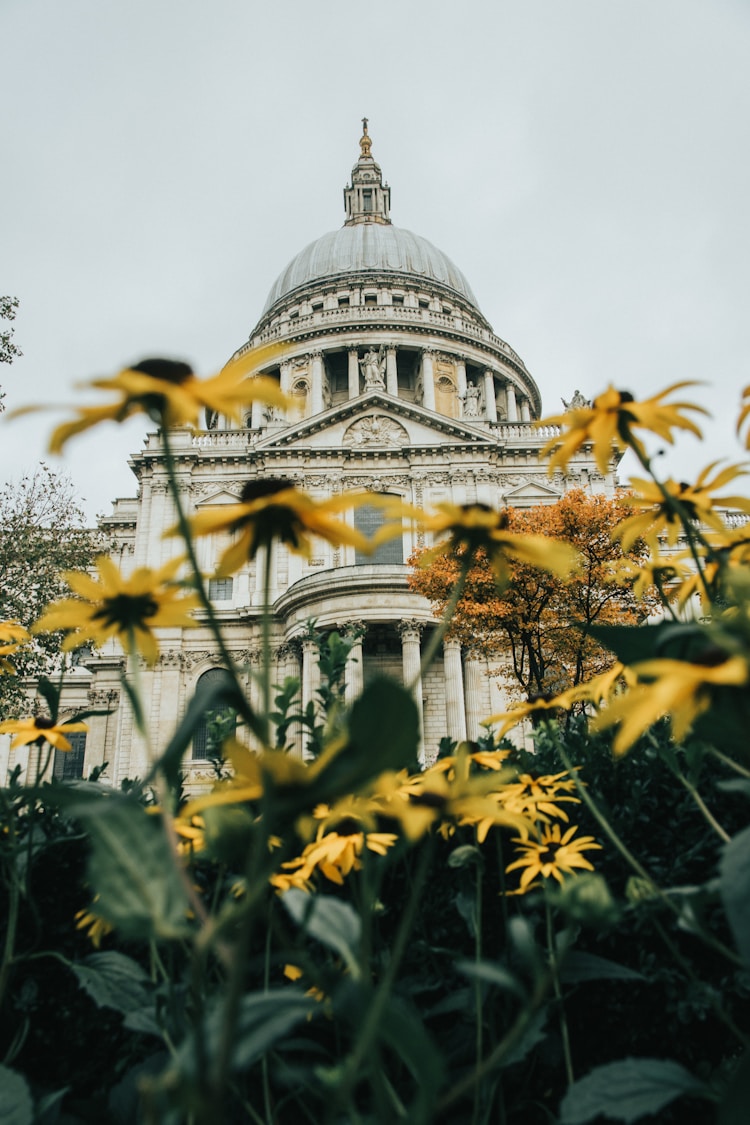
(373, 370)
(578, 402)
(471, 405)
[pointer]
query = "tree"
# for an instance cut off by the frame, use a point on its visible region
(541, 624)
(42, 534)
(8, 350)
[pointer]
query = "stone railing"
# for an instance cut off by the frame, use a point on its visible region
(523, 431)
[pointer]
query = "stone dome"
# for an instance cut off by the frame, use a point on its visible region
(369, 247)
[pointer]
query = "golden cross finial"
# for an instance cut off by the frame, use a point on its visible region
(365, 143)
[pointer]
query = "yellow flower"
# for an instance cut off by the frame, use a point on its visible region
(745, 414)
(673, 687)
(40, 729)
(537, 796)
(12, 636)
(430, 798)
(610, 421)
(553, 855)
(471, 527)
(114, 606)
(276, 509)
(96, 926)
(335, 854)
(171, 394)
(698, 502)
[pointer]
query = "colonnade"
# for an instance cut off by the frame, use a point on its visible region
(464, 707)
(518, 407)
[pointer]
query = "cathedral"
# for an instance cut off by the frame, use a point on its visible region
(398, 385)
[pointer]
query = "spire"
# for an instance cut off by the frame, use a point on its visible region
(367, 199)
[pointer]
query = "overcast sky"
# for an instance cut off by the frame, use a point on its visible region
(584, 162)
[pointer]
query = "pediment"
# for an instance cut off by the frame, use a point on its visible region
(375, 421)
(531, 492)
(216, 498)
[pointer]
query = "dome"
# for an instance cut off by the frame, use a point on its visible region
(368, 247)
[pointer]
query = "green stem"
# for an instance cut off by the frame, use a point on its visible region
(555, 973)
(436, 639)
(629, 858)
(478, 1010)
(729, 762)
(374, 1013)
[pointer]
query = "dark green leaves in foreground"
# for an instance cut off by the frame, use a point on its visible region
(132, 871)
(628, 1090)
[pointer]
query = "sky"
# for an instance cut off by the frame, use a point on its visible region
(585, 163)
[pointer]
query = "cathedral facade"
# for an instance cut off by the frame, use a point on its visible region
(398, 385)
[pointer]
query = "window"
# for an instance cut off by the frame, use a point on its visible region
(217, 723)
(220, 589)
(423, 304)
(368, 519)
(68, 764)
(343, 302)
(398, 298)
(366, 200)
(371, 299)
(317, 306)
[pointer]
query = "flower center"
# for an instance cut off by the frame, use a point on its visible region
(126, 610)
(549, 854)
(42, 722)
(348, 827)
(257, 489)
(168, 370)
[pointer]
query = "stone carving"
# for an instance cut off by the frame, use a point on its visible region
(373, 369)
(471, 405)
(578, 402)
(104, 698)
(172, 658)
(375, 430)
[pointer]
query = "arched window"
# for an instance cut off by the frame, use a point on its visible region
(368, 519)
(216, 723)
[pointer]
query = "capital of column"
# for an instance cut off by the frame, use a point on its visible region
(410, 630)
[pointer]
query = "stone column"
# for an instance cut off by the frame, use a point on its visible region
(285, 377)
(455, 711)
(353, 373)
(310, 675)
(258, 417)
(510, 396)
(316, 382)
(525, 410)
(288, 667)
(428, 379)
(391, 371)
(473, 694)
(490, 404)
(461, 382)
(355, 678)
(411, 657)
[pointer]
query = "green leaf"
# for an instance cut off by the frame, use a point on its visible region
(627, 1090)
(16, 1107)
(50, 695)
(330, 921)
(734, 888)
(632, 643)
(264, 1017)
(133, 872)
(209, 696)
(405, 1033)
(383, 735)
(736, 1099)
(492, 973)
(579, 966)
(113, 980)
(464, 855)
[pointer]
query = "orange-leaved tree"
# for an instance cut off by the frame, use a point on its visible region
(541, 624)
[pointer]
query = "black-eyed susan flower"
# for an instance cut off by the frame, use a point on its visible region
(171, 394)
(472, 527)
(677, 688)
(40, 729)
(114, 606)
(336, 853)
(610, 422)
(275, 510)
(540, 797)
(12, 636)
(744, 414)
(553, 855)
(95, 926)
(656, 516)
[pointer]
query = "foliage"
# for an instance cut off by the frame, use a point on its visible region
(8, 350)
(502, 936)
(42, 534)
(542, 622)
